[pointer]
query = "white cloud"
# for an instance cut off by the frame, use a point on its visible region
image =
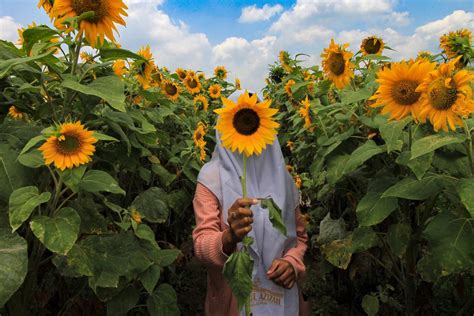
(252, 14)
(456, 20)
(312, 33)
(8, 29)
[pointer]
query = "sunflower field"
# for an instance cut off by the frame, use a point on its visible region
(100, 149)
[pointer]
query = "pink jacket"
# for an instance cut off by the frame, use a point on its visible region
(207, 238)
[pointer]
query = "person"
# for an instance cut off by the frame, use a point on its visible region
(223, 219)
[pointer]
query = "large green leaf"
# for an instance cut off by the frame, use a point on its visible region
(22, 203)
(350, 96)
(391, 133)
(12, 174)
(373, 208)
(238, 273)
(363, 238)
(331, 229)
(109, 88)
(118, 53)
(413, 189)
(121, 303)
(274, 215)
(163, 301)
(398, 237)
(58, 233)
(370, 304)
(72, 177)
(7, 65)
(150, 278)
(419, 165)
(465, 189)
(37, 34)
(338, 252)
(451, 238)
(362, 154)
(99, 181)
(14, 264)
(151, 206)
(430, 143)
(32, 159)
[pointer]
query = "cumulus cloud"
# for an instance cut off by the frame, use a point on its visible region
(252, 14)
(8, 28)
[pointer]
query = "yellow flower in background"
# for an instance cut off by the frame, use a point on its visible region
(136, 216)
(337, 64)
(424, 55)
(198, 138)
(397, 88)
(72, 148)
(284, 58)
(201, 76)
(298, 181)
(200, 100)
(98, 27)
(446, 96)
(137, 100)
(237, 84)
(21, 30)
(181, 73)
(372, 45)
(446, 41)
(156, 77)
(170, 89)
(288, 86)
(215, 91)
(145, 67)
(192, 83)
(304, 112)
(14, 113)
(119, 67)
(86, 57)
(220, 72)
(290, 144)
(246, 126)
(47, 5)
(290, 168)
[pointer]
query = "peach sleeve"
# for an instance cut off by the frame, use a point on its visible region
(295, 255)
(207, 235)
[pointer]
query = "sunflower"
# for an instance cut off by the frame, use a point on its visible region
(47, 5)
(246, 126)
(86, 57)
(145, 67)
(397, 88)
(136, 216)
(237, 84)
(171, 89)
(21, 30)
(201, 75)
(298, 181)
(156, 77)
(304, 113)
(73, 147)
(220, 72)
(446, 96)
(372, 45)
(181, 73)
(288, 86)
(14, 113)
(290, 168)
(200, 100)
(424, 55)
(447, 42)
(192, 83)
(119, 67)
(101, 24)
(284, 58)
(337, 64)
(290, 144)
(215, 91)
(198, 138)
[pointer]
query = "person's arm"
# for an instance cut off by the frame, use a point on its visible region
(295, 255)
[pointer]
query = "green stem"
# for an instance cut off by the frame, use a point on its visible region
(243, 182)
(469, 148)
(410, 136)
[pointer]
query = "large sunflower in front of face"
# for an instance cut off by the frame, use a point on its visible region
(145, 67)
(248, 125)
(170, 89)
(397, 88)
(446, 96)
(372, 45)
(101, 24)
(192, 83)
(337, 64)
(215, 91)
(72, 147)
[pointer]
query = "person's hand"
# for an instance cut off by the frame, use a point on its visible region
(282, 273)
(240, 218)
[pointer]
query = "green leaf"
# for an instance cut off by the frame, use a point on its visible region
(151, 206)
(391, 132)
(373, 209)
(120, 304)
(99, 181)
(14, 264)
(363, 238)
(58, 233)
(338, 252)
(104, 137)
(37, 34)
(150, 278)
(166, 177)
(6, 65)
(450, 238)
(12, 174)
(362, 154)
(22, 203)
(167, 256)
(31, 143)
(398, 237)
(163, 301)
(238, 273)
(370, 304)
(118, 53)
(109, 88)
(32, 159)
(465, 189)
(331, 229)
(72, 177)
(419, 165)
(349, 96)
(274, 215)
(413, 189)
(144, 231)
(430, 143)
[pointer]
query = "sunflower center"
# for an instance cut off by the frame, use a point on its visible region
(372, 46)
(171, 89)
(246, 121)
(440, 96)
(192, 83)
(98, 6)
(337, 64)
(69, 144)
(404, 92)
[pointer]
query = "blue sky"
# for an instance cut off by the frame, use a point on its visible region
(246, 36)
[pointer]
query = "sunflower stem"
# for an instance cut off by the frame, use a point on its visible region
(469, 147)
(243, 182)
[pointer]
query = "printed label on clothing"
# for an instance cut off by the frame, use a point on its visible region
(263, 296)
